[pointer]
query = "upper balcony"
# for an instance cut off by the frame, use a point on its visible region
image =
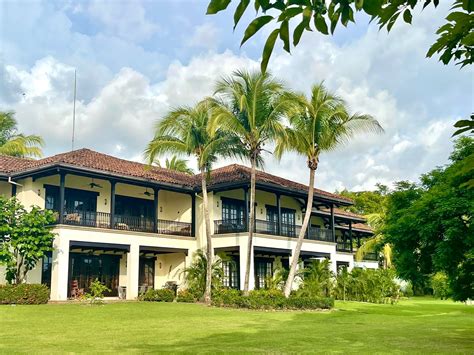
(105, 220)
(272, 228)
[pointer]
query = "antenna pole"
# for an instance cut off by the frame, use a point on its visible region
(74, 113)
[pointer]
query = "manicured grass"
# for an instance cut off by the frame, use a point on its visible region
(416, 325)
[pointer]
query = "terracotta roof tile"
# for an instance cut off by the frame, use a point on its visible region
(236, 172)
(86, 158)
(11, 164)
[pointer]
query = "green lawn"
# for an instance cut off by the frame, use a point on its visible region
(417, 325)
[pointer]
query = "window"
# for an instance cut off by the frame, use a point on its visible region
(75, 200)
(230, 269)
(46, 269)
(233, 210)
(263, 271)
(288, 220)
(131, 206)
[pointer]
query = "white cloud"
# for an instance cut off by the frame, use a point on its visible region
(204, 36)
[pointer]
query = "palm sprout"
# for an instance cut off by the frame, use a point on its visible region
(17, 144)
(175, 164)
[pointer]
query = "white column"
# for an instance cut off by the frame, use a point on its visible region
(243, 264)
(133, 259)
(333, 265)
(60, 269)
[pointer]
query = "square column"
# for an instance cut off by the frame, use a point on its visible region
(60, 270)
(243, 250)
(133, 260)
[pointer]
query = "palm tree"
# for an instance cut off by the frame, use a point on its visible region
(17, 144)
(186, 131)
(175, 164)
(319, 123)
(376, 221)
(251, 106)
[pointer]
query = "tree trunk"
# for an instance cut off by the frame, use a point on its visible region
(299, 244)
(251, 225)
(207, 291)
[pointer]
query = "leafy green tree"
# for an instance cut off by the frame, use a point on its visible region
(430, 225)
(456, 39)
(318, 279)
(25, 238)
(175, 164)
(319, 123)
(251, 106)
(17, 144)
(186, 131)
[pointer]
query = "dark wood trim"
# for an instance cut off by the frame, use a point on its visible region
(350, 234)
(278, 202)
(156, 191)
(193, 214)
(112, 203)
(49, 186)
(247, 206)
(331, 222)
(62, 184)
(13, 190)
(99, 246)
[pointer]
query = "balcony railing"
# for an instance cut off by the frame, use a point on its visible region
(271, 228)
(371, 256)
(123, 222)
(344, 247)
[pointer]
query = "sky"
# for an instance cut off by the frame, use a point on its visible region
(136, 60)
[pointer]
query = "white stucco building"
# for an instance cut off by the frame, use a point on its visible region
(134, 227)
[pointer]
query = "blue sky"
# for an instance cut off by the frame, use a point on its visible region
(137, 59)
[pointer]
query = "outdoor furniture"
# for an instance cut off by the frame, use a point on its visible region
(122, 292)
(76, 292)
(122, 226)
(73, 217)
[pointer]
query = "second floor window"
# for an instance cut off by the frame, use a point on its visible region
(233, 210)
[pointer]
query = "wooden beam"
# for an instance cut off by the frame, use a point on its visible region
(62, 188)
(193, 214)
(112, 203)
(155, 209)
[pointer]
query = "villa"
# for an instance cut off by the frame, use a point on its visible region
(137, 227)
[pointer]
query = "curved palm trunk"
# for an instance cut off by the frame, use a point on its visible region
(304, 227)
(207, 222)
(251, 225)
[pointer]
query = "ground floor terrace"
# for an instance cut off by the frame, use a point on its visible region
(418, 325)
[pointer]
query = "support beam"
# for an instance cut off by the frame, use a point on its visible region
(278, 203)
(246, 209)
(13, 190)
(193, 215)
(331, 223)
(133, 259)
(155, 209)
(350, 235)
(62, 188)
(112, 203)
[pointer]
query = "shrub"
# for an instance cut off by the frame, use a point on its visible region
(367, 285)
(269, 299)
(318, 280)
(440, 285)
(186, 296)
(24, 294)
(96, 294)
(162, 295)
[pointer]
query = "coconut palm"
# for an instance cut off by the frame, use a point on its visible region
(376, 221)
(186, 131)
(175, 164)
(251, 106)
(16, 144)
(319, 123)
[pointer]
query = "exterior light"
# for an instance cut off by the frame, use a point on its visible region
(105, 202)
(161, 208)
(217, 203)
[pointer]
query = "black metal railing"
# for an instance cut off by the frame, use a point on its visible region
(124, 222)
(372, 256)
(271, 228)
(174, 228)
(230, 226)
(344, 247)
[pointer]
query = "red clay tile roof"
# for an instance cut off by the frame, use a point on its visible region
(11, 164)
(341, 212)
(86, 158)
(236, 172)
(362, 226)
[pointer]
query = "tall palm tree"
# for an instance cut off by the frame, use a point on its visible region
(318, 123)
(16, 144)
(175, 164)
(186, 131)
(250, 105)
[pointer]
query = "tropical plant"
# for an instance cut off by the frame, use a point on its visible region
(319, 123)
(196, 273)
(440, 285)
(25, 238)
(186, 131)
(175, 164)
(96, 292)
(251, 106)
(16, 144)
(318, 279)
(455, 37)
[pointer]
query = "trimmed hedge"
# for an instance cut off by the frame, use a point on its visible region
(24, 294)
(162, 295)
(268, 299)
